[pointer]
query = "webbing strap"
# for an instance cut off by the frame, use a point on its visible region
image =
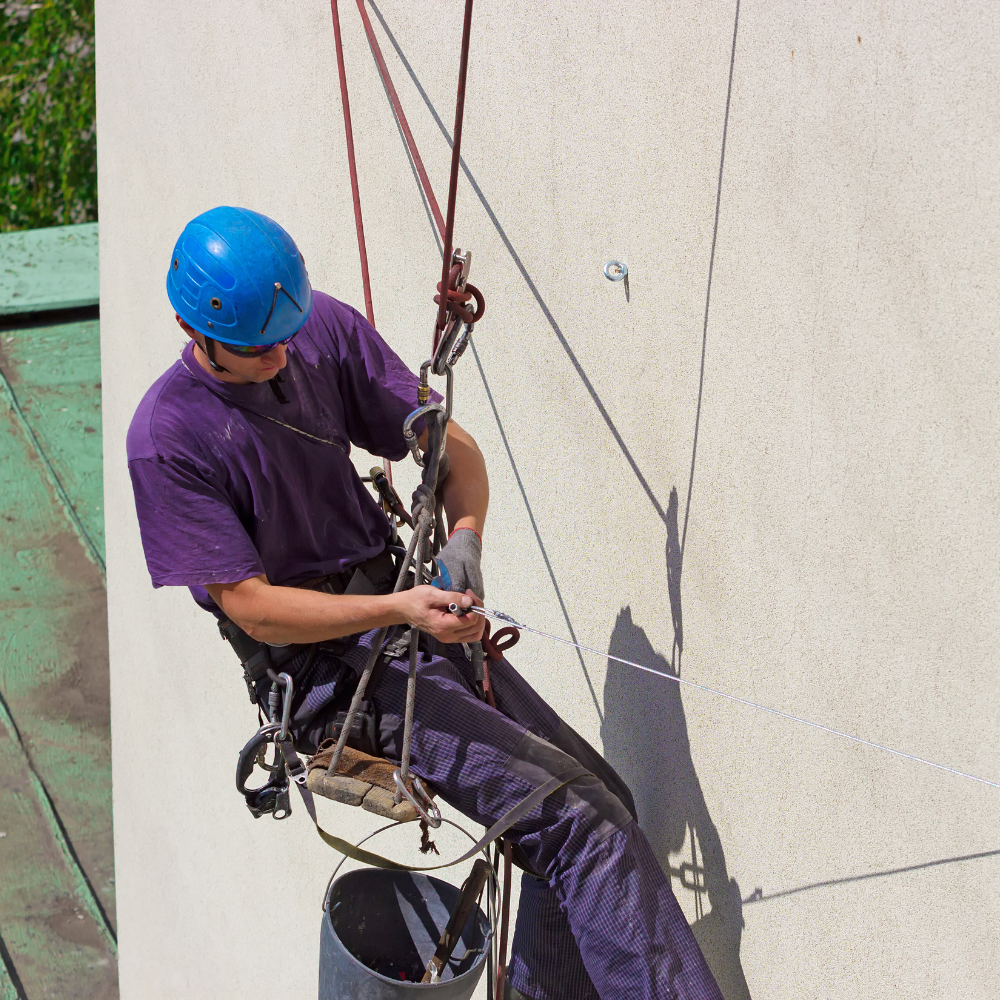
(297, 772)
(500, 827)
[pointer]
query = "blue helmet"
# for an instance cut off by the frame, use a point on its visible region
(237, 276)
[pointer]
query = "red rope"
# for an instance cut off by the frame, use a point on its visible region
(344, 100)
(449, 229)
(401, 117)
(449, 300)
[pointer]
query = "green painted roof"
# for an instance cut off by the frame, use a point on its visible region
(44, 269)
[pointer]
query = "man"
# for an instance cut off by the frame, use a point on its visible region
(245, 493)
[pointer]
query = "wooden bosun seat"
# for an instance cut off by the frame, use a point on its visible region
(361, 780)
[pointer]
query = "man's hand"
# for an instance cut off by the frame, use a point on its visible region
(426, 608)
(459, 562)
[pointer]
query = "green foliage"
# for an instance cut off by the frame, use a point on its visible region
(48, 145)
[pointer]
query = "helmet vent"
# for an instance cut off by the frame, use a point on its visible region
(175, 263)
(215, 303)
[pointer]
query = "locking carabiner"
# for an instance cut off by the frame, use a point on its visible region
(426, 807)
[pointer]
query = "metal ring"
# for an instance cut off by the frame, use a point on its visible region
(615, 270)
(409, 436)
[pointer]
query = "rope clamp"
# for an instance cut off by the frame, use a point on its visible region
(463, 304)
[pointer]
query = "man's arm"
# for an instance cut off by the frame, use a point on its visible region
(467, 488)
(466, 495)
(291, 614)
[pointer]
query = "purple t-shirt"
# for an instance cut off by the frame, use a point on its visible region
(224, 493)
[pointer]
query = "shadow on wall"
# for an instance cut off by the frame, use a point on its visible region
(646, 740)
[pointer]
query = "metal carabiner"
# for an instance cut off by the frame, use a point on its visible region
(427, 810)
(288, 684)
(458, 348)
(409, 437)
(286, 708)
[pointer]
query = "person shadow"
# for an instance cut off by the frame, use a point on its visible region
(646, 740)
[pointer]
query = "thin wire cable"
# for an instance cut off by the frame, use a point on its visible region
(508, 620)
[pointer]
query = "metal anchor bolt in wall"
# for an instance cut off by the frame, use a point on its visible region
(616, 270)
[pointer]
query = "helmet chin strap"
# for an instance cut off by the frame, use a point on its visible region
(210, 354)
(274, 382)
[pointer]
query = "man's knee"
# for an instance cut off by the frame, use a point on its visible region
(570, 741)
(536, 760)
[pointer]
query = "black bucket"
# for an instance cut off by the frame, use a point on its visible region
(380, 930)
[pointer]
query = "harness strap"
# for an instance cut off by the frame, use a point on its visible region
(504, 921)
(500, 827)
(297, 772)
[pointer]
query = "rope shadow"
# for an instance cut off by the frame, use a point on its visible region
(8, 966)
(676, 540)
(646, 740)
(479, 365)
(758, 895)
(711, 272)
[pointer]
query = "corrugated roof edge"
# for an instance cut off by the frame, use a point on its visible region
(49, 269)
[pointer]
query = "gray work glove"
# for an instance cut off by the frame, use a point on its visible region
(458, 563)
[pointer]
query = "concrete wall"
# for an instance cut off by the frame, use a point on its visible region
(818, 434)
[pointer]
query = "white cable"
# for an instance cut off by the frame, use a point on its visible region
(507, 620)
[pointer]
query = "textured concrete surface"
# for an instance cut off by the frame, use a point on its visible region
(57, 896)
(772, 468)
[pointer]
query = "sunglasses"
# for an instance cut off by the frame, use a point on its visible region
(255, 350)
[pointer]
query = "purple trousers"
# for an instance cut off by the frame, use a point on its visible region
(600, 920)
